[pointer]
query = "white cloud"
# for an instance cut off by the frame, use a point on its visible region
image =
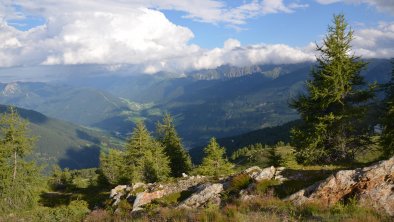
(211, 11)
(134, 36)
(375, 42)
(120, 33)
(381, 5)
(117, 33)
(235, 54)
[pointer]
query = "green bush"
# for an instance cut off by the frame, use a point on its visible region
(239, 182)
(262, 186)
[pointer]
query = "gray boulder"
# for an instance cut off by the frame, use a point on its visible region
(372, 186)
(205, 193)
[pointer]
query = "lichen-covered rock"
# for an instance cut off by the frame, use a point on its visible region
(372, 185)
(206, 193)
(117, 193)
(140, 194)
(269, 173)
(147, 197)
(266, 174)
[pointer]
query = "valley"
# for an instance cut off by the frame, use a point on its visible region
(228, 101)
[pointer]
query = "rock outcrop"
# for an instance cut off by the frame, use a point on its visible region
(203, 192)
(141, 194)
(206, 193)
(117, 193)
(269, 173)
(372, 186)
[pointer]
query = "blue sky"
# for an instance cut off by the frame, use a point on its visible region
(297, 29)
(179, 35)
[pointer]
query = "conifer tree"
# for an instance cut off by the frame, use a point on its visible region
(180, 161)
(20, 181)
(112, 165)
(274, 158)
(214, 162)
(333, 109)
(144, 157)
(387, 137)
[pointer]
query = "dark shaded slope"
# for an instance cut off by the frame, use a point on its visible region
(64, 143)
(269, 136)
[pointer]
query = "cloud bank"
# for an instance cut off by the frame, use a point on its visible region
(122, 33)
(381, 5)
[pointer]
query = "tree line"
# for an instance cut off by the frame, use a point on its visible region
(149, 159)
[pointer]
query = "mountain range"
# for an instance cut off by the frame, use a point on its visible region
(222, 102)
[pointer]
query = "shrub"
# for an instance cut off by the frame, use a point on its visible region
(262, 186)
(239, 182)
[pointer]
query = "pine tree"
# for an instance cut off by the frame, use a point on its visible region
(145, 158)
(20, 181)
(387, 137)
(214, 162)
(180, 161)
(333, 110)
(112, 166)
(274, 158)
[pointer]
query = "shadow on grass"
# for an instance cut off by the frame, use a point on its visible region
(95, 196)
(80, 158)
(299, 179)
(55, 199)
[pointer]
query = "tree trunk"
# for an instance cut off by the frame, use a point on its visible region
(15, 162)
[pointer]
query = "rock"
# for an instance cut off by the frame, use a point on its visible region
(146, 197)
(269, 173)
(141, 194)
(118, 189)
(205, 193)
(117, 193)
(184, 175)
(252, 171)
(139, 185)
(372, 186)
(266, 174)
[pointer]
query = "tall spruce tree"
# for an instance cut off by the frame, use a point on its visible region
(333, 109)
(20, 181)
(112, 165)
(145, 157)
(180, 161)
(387, 137)
(214, 162)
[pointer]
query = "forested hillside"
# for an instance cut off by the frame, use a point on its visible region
(63, 143)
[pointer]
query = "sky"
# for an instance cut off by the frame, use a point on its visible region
(183, 35)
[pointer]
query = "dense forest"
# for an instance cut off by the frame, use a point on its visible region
(334, 132)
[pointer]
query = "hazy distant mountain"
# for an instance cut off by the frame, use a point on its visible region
(64, 143)
(228, 71)
(86, 106)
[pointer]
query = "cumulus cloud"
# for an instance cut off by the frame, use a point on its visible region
(235, 54)
(249, 55)
(375, 42)
(211, 11)
(122, 33)
(119, 33)
(134, 36)
(381, 5)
